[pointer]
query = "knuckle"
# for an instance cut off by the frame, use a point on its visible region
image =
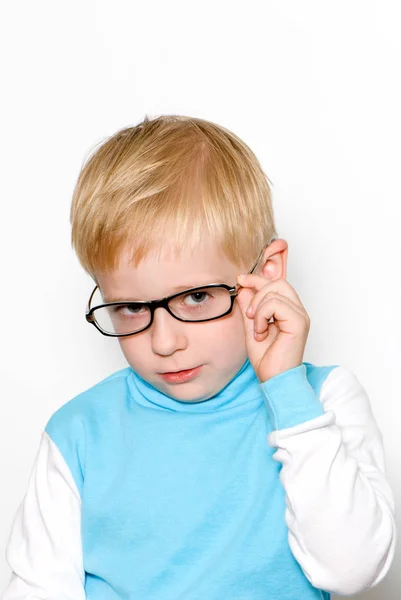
(305, 325)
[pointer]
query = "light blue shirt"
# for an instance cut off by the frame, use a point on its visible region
(183, 501)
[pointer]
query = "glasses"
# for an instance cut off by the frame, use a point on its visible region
(198, 304)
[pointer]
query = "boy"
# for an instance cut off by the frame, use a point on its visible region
(217, 465)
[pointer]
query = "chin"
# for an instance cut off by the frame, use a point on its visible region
(185, 392)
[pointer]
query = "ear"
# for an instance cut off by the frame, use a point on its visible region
(273, 264)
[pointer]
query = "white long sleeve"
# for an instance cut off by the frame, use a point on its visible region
(44, 550)
(340, 509)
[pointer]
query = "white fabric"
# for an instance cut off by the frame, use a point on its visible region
(44, 549)
(340, 508)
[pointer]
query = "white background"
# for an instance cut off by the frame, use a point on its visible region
(313, 87)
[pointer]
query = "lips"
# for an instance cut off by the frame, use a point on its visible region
(180, 370)
(181, 376)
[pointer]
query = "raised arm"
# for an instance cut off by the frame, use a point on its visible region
(340, 508)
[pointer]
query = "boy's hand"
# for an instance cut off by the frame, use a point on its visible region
(279, 345)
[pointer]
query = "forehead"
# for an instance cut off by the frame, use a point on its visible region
(156, 277)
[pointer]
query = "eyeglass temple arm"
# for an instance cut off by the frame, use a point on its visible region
(260, 255)
(238, 285)
(90, 299)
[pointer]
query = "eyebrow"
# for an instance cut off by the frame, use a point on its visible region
(178, 288)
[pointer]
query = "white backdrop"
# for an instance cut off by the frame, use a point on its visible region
(313, 87)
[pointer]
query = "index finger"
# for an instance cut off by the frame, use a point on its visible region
(280, 286)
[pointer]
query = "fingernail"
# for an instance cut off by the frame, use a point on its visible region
(242, 276)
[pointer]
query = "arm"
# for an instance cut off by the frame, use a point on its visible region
(340, 509)
(44, 550)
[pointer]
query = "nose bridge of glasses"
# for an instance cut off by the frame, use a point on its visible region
(163, 303)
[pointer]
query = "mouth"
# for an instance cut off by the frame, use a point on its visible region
(180, 371)
(181, 376)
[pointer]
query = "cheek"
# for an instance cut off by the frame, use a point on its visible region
(228, 348)
(134, 350)
(229, 332)
(227, 335)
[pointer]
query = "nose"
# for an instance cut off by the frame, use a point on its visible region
(167, 333)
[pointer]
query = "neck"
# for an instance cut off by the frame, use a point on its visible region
(243, 388)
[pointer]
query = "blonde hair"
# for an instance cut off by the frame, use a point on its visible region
(158, 186)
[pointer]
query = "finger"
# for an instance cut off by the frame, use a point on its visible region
(269, 335)
(288, 319)
(280, 286)
(262, 296)
(244, 298)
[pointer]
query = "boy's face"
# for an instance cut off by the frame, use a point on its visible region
(172, 345)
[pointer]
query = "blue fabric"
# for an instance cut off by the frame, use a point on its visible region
(183, 501)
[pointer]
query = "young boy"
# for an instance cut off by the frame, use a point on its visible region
(217, 465)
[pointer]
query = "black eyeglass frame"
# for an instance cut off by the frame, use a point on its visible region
(163, 303)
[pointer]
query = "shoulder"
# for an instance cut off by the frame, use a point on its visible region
(96, 404)
(98, 396)
(340, 390)
(80, 420)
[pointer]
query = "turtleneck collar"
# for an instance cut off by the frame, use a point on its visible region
(243, 388)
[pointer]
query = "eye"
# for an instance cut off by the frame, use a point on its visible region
(126, 310)
(197, 294)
